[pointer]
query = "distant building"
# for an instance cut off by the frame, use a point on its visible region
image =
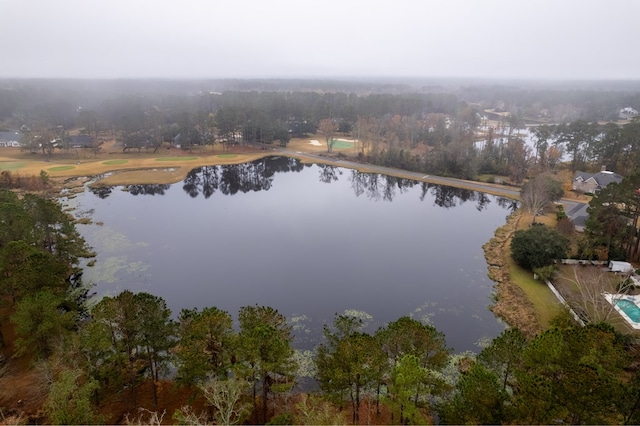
(627, 113)
(80, 141)
(9, 139)
(593, 182)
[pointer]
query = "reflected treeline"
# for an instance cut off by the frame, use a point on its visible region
(231, 179)
(148, 189)
(329, 173)
(101, 191)
(142, 189)
(258, 176)
(508, 203)
(449, 196)
(379, 187)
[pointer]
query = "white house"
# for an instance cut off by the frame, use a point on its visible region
(617, 266)
(627, 113)
(10, 139)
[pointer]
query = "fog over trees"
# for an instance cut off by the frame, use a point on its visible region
(425, 125)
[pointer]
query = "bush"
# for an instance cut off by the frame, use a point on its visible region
(281, 419)
(547, 273)
(538, 246)
(565, 226)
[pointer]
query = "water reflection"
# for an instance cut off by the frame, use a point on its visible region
(231, 179)
(377, 186)
(307, 239)
(329, 173)
(147, 189)
(101, 191)
(258, 176)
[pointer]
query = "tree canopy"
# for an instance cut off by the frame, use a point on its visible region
(538, 246)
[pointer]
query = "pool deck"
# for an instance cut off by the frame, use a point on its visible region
(612, 298)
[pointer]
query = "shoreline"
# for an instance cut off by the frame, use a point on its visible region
(511, 304)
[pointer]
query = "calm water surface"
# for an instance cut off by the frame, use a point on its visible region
(308, 240)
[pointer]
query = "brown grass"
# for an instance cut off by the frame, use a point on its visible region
(139, 167)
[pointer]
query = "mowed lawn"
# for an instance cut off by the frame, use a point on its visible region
(11, 165)
(545, 303)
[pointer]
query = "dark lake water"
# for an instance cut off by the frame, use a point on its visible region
(308, 240)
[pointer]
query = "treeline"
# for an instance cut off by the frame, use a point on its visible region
(566, 374)
(454, 152)
(432, 130)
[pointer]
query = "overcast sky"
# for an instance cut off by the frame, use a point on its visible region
(564, 39)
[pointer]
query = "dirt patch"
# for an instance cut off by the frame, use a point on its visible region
(512, 304)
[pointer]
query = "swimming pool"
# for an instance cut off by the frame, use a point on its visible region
(627, 306)
(630, 309)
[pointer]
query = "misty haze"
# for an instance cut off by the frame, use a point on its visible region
(319, 212)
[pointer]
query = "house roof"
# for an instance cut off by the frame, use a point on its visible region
(80, 139)
(9, 136)
(578, 215)
(602, 178)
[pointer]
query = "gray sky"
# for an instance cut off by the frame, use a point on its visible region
(565, 39)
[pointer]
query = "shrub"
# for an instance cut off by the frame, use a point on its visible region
(565, 226)
(538, 246)
(44, 177)
(547, 273)
(281, 419)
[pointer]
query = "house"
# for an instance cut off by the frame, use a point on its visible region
(578, 216)
(617, 266)
(627, 113)
(10, 139)
(593, 182)
(80, 141)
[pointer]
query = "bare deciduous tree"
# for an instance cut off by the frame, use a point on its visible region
(328, 129)
(226, 397)
(537, 193)
(590, 285)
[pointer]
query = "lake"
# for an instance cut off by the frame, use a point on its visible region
(308, 240)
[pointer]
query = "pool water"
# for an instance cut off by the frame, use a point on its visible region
(630, 308)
